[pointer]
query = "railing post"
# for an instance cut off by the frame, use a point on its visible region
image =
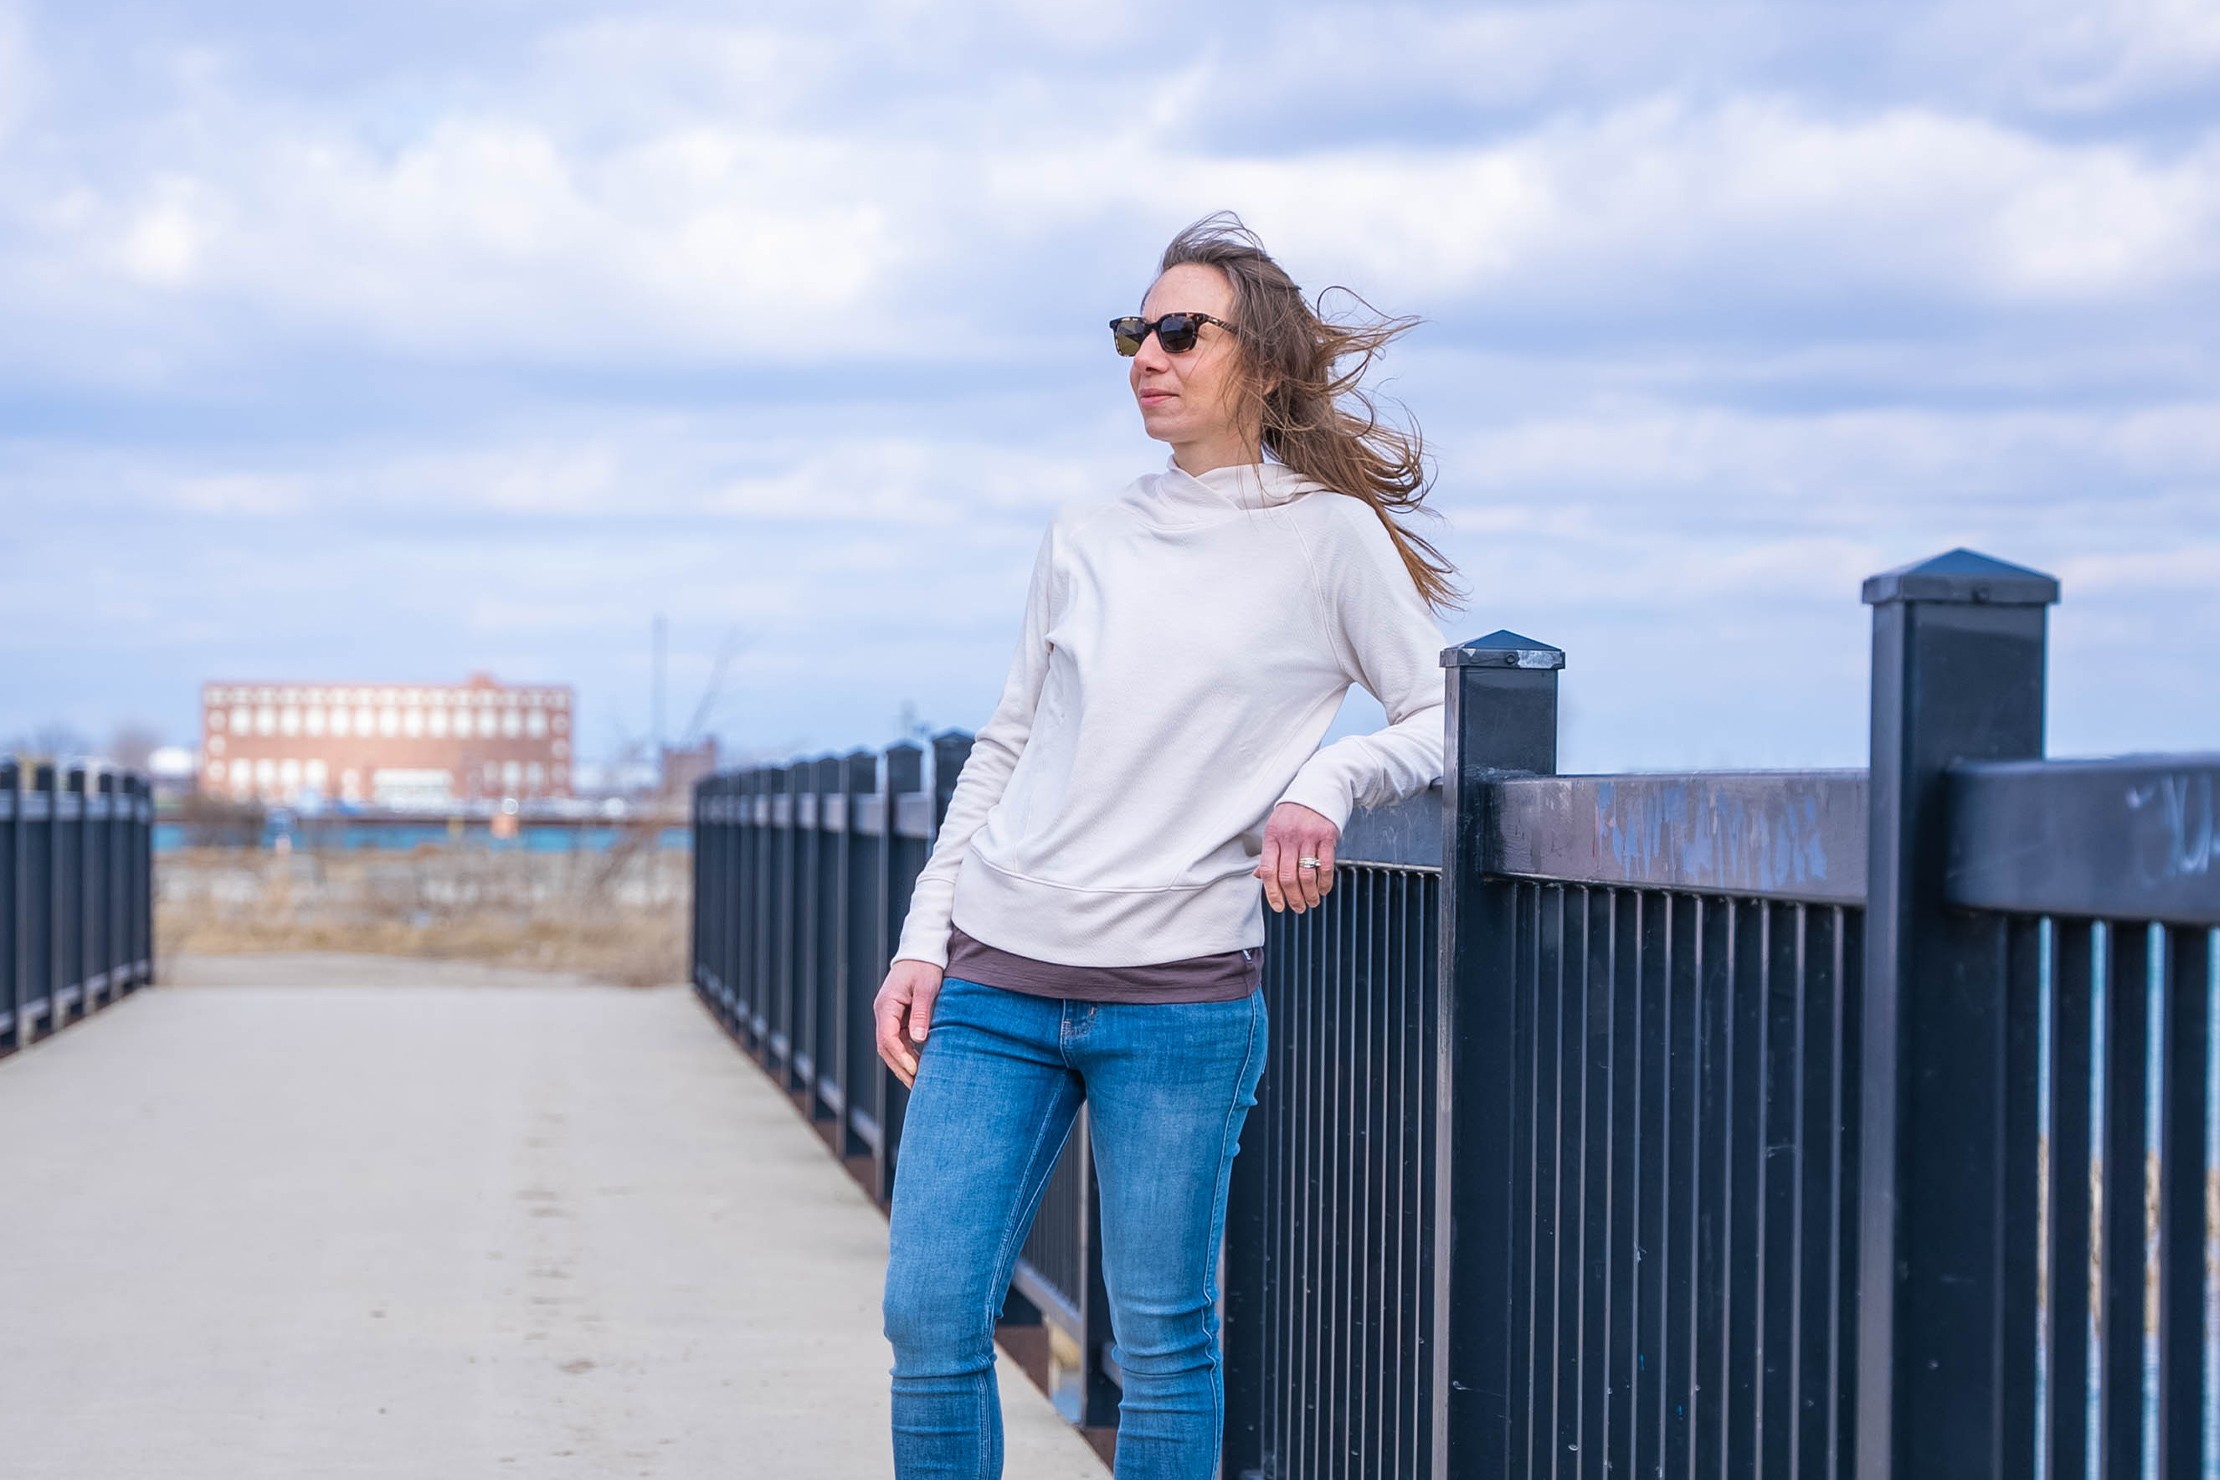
(1958, 660)
(904, 776)
(859, 973)
(69, 899)
(703, 789)
(100, 892)
(787, 786)
(146, 882)
(42, 843)
(722, 876)
(828, 920)
(754, 959)
(1502, 719)
(122, 827)
(951, 748)
(11, 907)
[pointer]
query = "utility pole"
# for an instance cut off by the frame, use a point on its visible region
(657, 719)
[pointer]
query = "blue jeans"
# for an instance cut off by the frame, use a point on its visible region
(999, 1079)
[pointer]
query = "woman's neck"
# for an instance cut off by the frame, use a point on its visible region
(1223, 451)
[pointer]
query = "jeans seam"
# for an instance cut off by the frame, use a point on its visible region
(1218, 1222)
(1021, 1211)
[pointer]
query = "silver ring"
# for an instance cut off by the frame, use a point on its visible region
(1306, 863)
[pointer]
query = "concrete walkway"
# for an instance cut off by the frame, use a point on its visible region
(426, 1231)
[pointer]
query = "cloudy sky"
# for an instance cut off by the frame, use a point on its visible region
(392, 341)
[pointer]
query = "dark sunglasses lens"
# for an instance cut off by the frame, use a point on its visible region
(1177, 331)
(1128, 333)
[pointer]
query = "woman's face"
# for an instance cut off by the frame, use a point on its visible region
(1188, 399)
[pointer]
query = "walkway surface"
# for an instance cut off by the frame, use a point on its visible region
(374, 1222)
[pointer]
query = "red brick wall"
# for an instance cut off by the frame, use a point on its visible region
(402, 744)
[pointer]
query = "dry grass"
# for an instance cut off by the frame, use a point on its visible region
(619, 916)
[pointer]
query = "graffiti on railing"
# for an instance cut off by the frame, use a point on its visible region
(2173, 828)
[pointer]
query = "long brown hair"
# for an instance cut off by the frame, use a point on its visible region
(1301, 385)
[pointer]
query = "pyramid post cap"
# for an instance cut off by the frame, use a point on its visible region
(1963, 576)
(1503, 648)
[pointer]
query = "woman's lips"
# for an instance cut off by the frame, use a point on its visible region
(1156, 398)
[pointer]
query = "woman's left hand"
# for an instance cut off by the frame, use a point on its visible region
(1293, 833)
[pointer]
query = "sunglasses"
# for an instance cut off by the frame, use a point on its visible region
(1175, 331)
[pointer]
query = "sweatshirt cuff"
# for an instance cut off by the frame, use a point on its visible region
(1325, 794)
(921, 951)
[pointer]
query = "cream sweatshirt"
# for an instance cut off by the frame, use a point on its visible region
(1186, 645)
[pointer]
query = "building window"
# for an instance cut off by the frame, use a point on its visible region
(265, 721)
(365, 721)
(215, 770)
(289, 774)
(389, 721)
(437, 720)
(339, 721)
(215, 719)
(316, 773)
(534, 776)
(535, 722)
(350, 784)
(215, 745)
(412, 721)
(265, 771)
(241, 782)
(509, 725)
(560, 748)
(512, 772)
(562, 723)
(289, 720)
(313, 720)
(462, 723)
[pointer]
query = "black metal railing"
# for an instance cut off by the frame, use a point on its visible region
(1783, 1123)
(1329, 1293)
(76, 895)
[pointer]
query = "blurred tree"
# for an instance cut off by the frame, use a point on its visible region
(133, 744)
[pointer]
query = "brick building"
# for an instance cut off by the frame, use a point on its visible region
(405, 746)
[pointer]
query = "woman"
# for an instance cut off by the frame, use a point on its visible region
(1089, 925)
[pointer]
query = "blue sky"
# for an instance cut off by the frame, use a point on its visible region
(395, 341)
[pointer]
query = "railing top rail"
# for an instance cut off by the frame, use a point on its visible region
(1405, 835)
(2133, 837)
(1791, 835)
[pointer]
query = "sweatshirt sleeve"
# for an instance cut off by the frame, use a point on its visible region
(1387, 640)
(994, 754)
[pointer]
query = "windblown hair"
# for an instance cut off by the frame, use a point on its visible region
(1301, 385)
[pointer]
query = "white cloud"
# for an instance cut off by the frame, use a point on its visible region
(775, 229)
(2072, 57)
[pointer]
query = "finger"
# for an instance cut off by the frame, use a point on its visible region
(1325, 856)
(921, 1012)
(1291, 880)
(1268, 868)
(892, 1050)
(1309, 876)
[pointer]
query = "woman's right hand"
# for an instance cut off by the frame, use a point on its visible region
(905, 1000)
